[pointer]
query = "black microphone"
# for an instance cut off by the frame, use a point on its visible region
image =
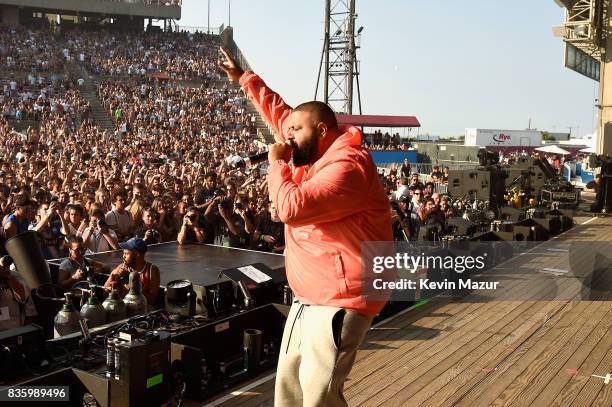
(261, 157)
(256, 159)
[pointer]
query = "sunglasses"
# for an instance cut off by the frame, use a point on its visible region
(418, 193)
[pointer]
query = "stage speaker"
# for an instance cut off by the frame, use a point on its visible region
(522, 234)
(529, 230)
(474, 183)
(269, 288)
(515, 173)
(428, 233)
(509, 213)
(28, 259)
(505, 236)
(461, 227)
(214, 299)
(551, 223)
(537, 180)
(455, 181)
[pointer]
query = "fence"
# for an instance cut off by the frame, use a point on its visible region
(201, 30)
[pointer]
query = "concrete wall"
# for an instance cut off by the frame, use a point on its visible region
(10, 15)
(99, 7)
(446, 153)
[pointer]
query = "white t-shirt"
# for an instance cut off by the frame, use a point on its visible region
(96, 242)
(118, 221)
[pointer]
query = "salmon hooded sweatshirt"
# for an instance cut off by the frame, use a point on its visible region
(329, 208)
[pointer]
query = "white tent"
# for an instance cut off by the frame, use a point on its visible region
(588, 150)
(553, 150)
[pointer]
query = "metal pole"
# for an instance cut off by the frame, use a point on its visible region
(358, 89)
(320, 68)
(208, 24)
(326, 51)
(351, 58)
(229, 13)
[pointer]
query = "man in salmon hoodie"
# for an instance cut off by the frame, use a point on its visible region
(330, 202)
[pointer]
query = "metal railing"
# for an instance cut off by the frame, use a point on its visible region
(200, 30)
(427, 168)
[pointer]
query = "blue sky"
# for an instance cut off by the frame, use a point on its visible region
(453, 64)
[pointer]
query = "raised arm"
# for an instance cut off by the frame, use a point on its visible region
(268, 103)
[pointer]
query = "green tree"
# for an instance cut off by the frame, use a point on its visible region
(546, 136)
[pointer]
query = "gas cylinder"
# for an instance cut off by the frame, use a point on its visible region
(135, 302)
(114, 306)
(67, 319)
(93, 312)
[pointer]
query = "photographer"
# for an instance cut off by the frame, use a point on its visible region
(149, 229)
(400, 219)
(98, 237)
(47, 226)
(238, 223)
(430, 214)
(269, 235)
(76, 221)
(192, 230)
(76, 267)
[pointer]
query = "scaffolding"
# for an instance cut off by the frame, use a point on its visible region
(339, 56)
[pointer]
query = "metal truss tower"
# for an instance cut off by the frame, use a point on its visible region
(339, 56)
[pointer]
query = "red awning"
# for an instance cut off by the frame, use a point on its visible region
(378, 121)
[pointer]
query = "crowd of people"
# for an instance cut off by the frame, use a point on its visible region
(172, 169)
(179, 55)
(415, 203)
(386, 141)
(40, 98)
(29, 50)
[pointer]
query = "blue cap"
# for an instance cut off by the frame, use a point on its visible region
(135, 244)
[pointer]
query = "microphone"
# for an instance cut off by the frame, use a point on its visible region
(261, 157)
(256, 159)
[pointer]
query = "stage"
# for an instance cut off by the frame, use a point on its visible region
(473, 352)
(202, 264)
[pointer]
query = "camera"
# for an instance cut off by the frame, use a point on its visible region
(239, 205)
(227, 204)
(101, 223)
(218, 192)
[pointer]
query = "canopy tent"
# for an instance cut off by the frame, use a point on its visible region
(554, 149)
(588, 150)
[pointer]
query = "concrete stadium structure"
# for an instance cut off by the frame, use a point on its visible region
(127, 13)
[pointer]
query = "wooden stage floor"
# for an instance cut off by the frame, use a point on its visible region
(470, 352)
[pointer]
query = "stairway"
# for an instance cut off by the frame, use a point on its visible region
(260, 124)
(99, 114)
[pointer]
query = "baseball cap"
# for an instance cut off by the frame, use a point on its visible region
(134, 244)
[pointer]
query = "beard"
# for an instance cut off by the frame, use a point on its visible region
(304, 155)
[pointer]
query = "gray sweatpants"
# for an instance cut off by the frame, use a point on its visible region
(317, 353)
